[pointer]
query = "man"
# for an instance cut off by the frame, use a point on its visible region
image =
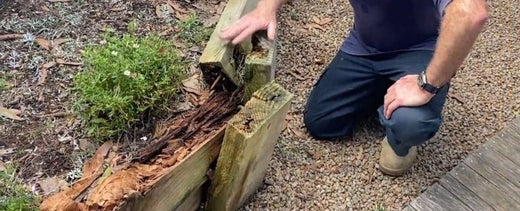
(400, 56)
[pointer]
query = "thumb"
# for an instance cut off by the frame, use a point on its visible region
(271, 30)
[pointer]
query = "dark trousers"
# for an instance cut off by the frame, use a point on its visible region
(352, 86)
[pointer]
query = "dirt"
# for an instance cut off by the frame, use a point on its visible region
(50, 140)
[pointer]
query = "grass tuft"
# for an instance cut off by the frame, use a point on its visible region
(123, 80)
(192, 30)
(13, 195)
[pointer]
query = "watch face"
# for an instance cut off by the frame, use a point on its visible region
(421, 80)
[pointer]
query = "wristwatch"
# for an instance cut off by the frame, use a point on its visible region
(423, 83)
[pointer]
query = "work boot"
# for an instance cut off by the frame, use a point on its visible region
(393, 164)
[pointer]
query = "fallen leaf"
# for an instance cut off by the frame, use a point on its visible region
(360, 153)
(57, 42)
(7, 151)
(221, 7)
(316, 20)
(298, 133)
(177, 7)
(181, 16)
(158, 11)
(324, 21)
(43, 43)
(193, 85)
(209, 22)
(314, 26)
(457, 97)
(117, 9)
(44, 72)
(61, 61)
(96, 163)
(45, 8)
(52, 185)
(167, 31)
(296, 75)
(10, 113)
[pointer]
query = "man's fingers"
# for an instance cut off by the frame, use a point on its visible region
(230, 32)
(271, 30)
(391, 108)
(244, 34)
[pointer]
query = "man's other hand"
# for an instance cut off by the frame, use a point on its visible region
(405, 92)
(262, 18)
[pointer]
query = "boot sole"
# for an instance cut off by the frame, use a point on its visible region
(392, 172)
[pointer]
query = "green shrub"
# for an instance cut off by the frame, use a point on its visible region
(13, 195)
(123, 80)
(193, 31)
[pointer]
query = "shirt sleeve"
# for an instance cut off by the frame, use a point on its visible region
(441, 5)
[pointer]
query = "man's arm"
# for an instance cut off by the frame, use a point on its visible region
(262, 18)
(463, 21)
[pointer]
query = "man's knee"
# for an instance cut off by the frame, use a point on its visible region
(326, 128)
(413, 124)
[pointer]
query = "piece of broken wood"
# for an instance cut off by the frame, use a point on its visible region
(218, 54)
(247, 147)
(260, 65)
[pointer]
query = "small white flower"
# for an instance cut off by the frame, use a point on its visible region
(114, 53)
(144, 138)
(127, 73)
(135, 45)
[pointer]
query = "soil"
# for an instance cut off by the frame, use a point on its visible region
(50, 139)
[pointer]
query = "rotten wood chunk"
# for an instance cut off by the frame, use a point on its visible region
(247, 147)
(260, 65)
(219, 54)
(176, 161)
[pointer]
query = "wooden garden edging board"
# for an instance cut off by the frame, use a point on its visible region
(247, 148)
(218, 54)
(181, 189)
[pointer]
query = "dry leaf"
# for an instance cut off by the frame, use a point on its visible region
(44, 72)
(10, 36)
(296, 75)
(7, 151)
(209, 22)
(457, 97)
(57, 42)
(10, 113)
(298, 133)
(325, 21)
(314, 26)
(52, 185)
(43, 43)
(193, 85)
(181, 16)
(96, 163)
(316, 20)
(45, 8)
(158, 11)
(177, 7)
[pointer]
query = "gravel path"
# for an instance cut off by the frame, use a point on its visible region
(313, 175)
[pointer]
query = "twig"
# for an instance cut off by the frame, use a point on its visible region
(215, 82)
(4, 37)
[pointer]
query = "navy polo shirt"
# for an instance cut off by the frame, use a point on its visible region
(383, 26)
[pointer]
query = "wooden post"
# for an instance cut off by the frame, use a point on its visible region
(218, 54)
(247, 148)
(181, 188)
(260, 65)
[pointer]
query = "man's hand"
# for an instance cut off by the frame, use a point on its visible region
(405, 92)
(262, 18)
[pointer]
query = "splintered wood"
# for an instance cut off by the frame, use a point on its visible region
(108, 184)
(218, 54)
(247, 147)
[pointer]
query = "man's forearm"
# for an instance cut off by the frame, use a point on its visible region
(462, 22)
